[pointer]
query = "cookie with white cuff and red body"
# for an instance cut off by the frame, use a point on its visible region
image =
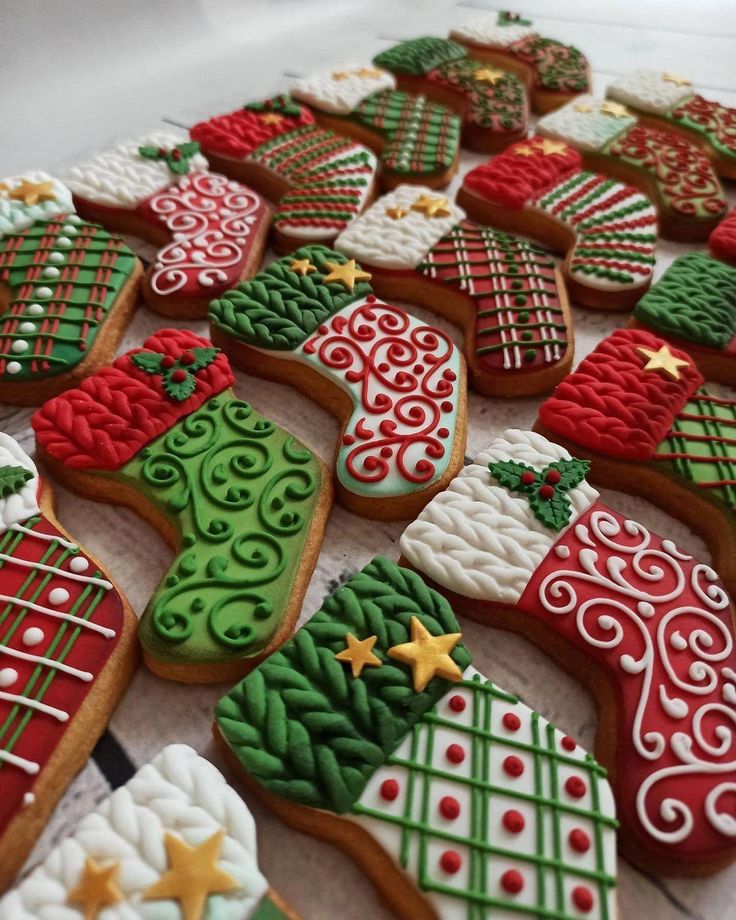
(211, 229)
(521, 540)
(606, 230)
(504, 292)
(372, 729)
(67, 650)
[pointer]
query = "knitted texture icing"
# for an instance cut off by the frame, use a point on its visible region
(420, 55)
(18, 505)
(16, 215)
(649, 91)
(722, 240)
(340, 89)
(491, 30)
(585, 123)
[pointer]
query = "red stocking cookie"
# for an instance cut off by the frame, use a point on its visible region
(669, 168)
(372, 729)
(67, 291)
(242, 501)
(638, 408)
(417, 140)
(667, 100)
(722, 240)
(553, 72)
(504, 292)
(212, 230)
(491, 102)
(520, 540)
(67, 649)
(607, 230)
(320, 180)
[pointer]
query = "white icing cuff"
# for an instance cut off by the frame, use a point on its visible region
(585, 123)
(650, 91)
(53, 199)
(342, 89)
(485, 30)
(18, 507)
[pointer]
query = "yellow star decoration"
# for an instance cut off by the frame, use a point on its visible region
(271, 118)
(340, 75)
(31, 193)
(193, 875)
(546, 147)
(615, 109)
(583, 107)
(396, 213)
(359, 653)
(302, 267)
(663, 360)
(432, 207)
(428, 655)
(525, 151)
(676, 79)
(97, 888)
(347, 273)
(488, 75)
(368, 72)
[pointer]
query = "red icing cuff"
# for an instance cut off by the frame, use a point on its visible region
(722, 240)
(611, 405)
(120, 409)
(242, 131)
(521, 173)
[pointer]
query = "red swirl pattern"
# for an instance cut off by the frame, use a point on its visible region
(120, 409)
(717, 121)
(240, 132)
(722, 240)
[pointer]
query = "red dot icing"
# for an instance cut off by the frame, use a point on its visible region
(579, 840)
(457, 703)
(389, 790)
(513, 821)
(513, 765)
(575, 787)
(455, 754)
(450, 861)
(568, 743)
(582, 898)
(511, 722)
(449, 807)
(512, 881)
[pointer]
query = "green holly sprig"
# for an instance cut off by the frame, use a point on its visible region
(12, 479)
(178, 159)
(546, 488)
(280, 105)
(512, 19)
(178, 374)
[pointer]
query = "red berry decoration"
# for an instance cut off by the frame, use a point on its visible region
(579, 840)
(187, 358)
(553, 477)
(455, 754)
(179, 376)
(449, 807)
(511, 722)
(568, 743)
(167, 361)
(582, 898)
(162, 151)
(527, 477)
(575, 787)
(450, 861)
(513, 766)
(456, 703)
(512, 881)
(389, 790)
(546, 491)
(176, 154)
(514, 821)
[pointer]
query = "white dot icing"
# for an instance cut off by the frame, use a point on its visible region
(27, 327)
(51, 271)
(34, 309)
(79, 564)
(341, 96)
(8, 677)
(19, 346)
(13, 367)
(43, 291)
(56, 257)
(63, 241)
(33, 636)
(58, 596)
(68, 228)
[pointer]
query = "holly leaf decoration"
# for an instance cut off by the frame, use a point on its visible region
(281, 105)
(177, 375)
(178, 159)
(572, 472)
(202, 358)
(149, 153)
(512, 19)
(12, 479)
(148, 361)
(509, 473)
(178, 389)
(547, 488)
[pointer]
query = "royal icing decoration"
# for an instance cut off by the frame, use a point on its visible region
(163, 421)
(165, 186)
(174, 841)
(63, 275)
(650, 91)
(340, 90)
(587, 123)
(614, 227)
(457, 787)
(722, 240)
(655, 619)
(401, 375)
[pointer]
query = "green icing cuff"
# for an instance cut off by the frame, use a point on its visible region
(280, 308)
(418, 56)
(694, 300)
(309, 731)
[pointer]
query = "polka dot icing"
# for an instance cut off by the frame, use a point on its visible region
(512, 881)
(58, 596)
(19, 346)
(8, 677)
(13, 367)
(56, 257)
(389, 790)
(51, 271)
(43, 291)
(79, 564)
(27, 327)
(450, 862)
(34, 309)
(455, 754)
(33, 636)
(575, 787)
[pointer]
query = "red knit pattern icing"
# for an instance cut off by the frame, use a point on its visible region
(512, 179)
(610, 404)
(120, 409)
(240, 132)
(722, 240)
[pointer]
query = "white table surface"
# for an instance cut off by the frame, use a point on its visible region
(76, 75)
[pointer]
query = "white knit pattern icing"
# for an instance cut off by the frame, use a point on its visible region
(586, 130)
(178, 792)
(649, 91)
(376, 238)
(485, 30)
(341, 89)
(120, 177)
(15, 215)
(18, 507)
(480, 540)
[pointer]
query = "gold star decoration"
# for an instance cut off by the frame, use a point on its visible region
(302, 267)
(347, 273)
(676, 79)
(432, 207)
(615, 109)
(97, 888)
(31, 193)
(368, 72)
(583, 107)
(525, 151)
(663, 360)
(396, 213)
(193, 875)
(271, 118)
(428, 655)
(340, 75)
(488, 75)
(545, 146)
(359, 653)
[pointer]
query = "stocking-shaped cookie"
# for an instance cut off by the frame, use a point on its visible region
(417, 140)
(668, 167)
(637, 406)
(553, 72)
(504, 292)
(319, 179)
(211, 229)
(67, 290)
(606, 229)
(67, 649)
(693, 306)
(522, 541)
(243, 503)
(669, 101)
(722, 240)
(372, 729)
(492, 103)
(397, 385)
(174, 841)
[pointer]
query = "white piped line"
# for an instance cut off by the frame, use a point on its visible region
(89, 579)
(35, 704)
(49, 662)
(28, 766)
(104, 630)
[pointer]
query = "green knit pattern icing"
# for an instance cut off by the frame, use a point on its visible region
(417, 57)
(241, 494)
(694, 300)
(279, 308)
(303, 726)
